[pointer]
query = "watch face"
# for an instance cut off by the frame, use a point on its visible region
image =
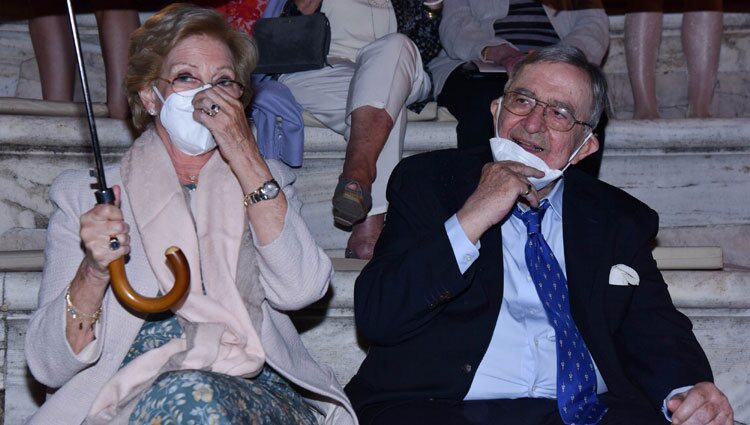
(270, 189)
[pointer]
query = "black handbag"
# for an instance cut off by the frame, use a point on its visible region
(292, 43)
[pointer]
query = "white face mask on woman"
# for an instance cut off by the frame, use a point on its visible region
(507, 150)
(188, 135)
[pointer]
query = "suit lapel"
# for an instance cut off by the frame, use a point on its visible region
(584, 231)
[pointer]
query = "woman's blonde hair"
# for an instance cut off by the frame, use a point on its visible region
(151, 43)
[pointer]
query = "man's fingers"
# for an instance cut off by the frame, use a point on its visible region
(116, 190)
(532, 197)
(674, 403)
(723, 418)
(687, 408)
(519, 168)
(703, 404)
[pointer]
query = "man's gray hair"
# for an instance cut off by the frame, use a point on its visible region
(571, 56)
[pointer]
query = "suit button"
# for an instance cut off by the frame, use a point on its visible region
(467, 368)
(445, 296)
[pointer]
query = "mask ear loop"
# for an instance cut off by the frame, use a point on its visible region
(158, 94)
(497, 115)
(577, 150)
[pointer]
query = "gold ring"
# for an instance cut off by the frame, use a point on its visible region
(213, 110)
(528, 190)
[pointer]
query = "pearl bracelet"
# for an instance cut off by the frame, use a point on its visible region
(76, 313)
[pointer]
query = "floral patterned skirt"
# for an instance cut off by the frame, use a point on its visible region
(203, 397)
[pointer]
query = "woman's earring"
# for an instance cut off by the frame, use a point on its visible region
(152, 112)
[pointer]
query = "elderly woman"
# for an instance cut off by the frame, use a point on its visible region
(228, 353)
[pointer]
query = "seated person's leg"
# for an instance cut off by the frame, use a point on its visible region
(323, 93)
(208, 397)
(388, 76)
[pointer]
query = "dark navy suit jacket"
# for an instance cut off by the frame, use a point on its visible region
(429, 326)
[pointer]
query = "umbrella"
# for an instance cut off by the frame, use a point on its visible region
(176, 259)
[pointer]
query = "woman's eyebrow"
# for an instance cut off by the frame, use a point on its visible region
(181, 64)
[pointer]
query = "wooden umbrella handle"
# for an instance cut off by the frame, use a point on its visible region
(136, 301)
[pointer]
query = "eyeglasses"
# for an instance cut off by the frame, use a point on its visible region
(183, 83)
(555, 117)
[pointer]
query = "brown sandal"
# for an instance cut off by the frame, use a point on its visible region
(350, 205)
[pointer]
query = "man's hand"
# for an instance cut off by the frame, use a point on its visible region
(702, 404)
(498, 190)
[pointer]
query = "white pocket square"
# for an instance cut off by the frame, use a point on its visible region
(622, 275)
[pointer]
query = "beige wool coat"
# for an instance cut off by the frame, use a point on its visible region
(284, 275)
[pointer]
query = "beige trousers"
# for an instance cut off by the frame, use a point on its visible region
(387, 74)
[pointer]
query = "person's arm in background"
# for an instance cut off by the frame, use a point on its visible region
(461, 32)
(464, 37)
(585, 27)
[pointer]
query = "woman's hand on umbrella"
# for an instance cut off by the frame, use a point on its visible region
(105, 237)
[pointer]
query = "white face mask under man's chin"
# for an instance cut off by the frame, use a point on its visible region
(507, 150)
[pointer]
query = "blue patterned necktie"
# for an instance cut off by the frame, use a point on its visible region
(576, 379)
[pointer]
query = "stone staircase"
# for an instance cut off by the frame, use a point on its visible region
(695, 173)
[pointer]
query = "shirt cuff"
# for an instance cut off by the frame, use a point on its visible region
(464, 251)
(667, 413)
(91, 351)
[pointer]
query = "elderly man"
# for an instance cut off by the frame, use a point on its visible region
(502, 294)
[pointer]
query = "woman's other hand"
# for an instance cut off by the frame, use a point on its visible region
(307, 7)
(224, 115)
(98, 226)
(237, 145)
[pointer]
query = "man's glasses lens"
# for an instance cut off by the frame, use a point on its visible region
(555, 117)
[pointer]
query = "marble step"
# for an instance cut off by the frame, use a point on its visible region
(693, 172)
(667, 258)
(19, 76)
(718, 302)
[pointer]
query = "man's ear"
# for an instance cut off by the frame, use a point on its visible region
(493, 107)
(590, 147)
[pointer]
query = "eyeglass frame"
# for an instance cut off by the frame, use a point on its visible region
(203, 83)
(544, 110)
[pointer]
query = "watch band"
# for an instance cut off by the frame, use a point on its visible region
(259, 194)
